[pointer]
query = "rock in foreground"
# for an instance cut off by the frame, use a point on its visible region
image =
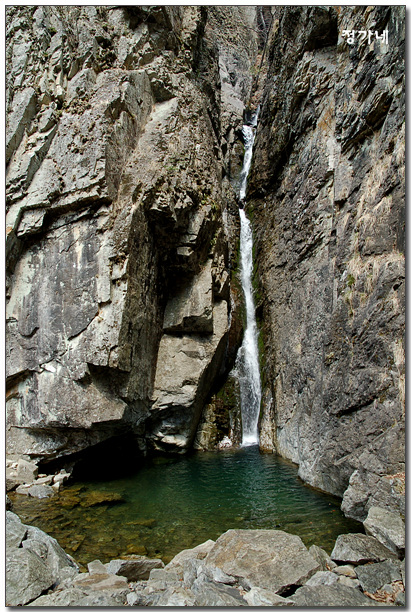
(263, 558)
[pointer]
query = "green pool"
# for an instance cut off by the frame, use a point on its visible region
(170, 504)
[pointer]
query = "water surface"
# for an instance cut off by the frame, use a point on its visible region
(179, 502)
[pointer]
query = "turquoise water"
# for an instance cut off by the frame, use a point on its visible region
(174, 503)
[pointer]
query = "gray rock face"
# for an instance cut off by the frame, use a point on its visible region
(34, 562)
(322, 557)
(357, 548)
(27, 576)
(375, 575)
(121, 222)
(263, 558)
(388, 528)
(326, 194)
(330, 596)
(186, 367)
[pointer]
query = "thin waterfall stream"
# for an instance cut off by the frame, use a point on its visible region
(247, 365)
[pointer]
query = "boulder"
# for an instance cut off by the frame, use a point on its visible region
(335, 595)
(357, 548)
(35, 562)
(322, 557)
(134, 568)
(375, 575)
(58, 562)
(44, 480)
(172, 596)
(263, 558)
(26, 471)
(27, 576)
(345, 570)
(15, 530)
(388, 527)
(211, 594)
(199, 552)
(41, 491)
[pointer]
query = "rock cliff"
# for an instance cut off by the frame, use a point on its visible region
(123, 145)
(121, 221)
(326, 195)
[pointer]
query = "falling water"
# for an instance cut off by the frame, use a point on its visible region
(247, 365)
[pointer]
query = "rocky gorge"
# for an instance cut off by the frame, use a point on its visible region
(125, 311)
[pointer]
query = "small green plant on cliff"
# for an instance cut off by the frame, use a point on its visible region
(350, 280)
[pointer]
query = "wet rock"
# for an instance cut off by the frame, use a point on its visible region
(388, 527)
(134, 568)
(357, 549)
(263, 558)
(330, 596)
(375, 575)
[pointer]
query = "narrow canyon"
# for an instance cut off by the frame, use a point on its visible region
(205, 211)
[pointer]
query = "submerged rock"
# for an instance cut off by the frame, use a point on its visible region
(97, 498)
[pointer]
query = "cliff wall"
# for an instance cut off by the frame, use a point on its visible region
(327, 199)
(121, 222)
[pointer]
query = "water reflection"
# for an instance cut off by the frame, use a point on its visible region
(179, 503)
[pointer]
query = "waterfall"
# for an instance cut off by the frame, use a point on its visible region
(247, 366)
